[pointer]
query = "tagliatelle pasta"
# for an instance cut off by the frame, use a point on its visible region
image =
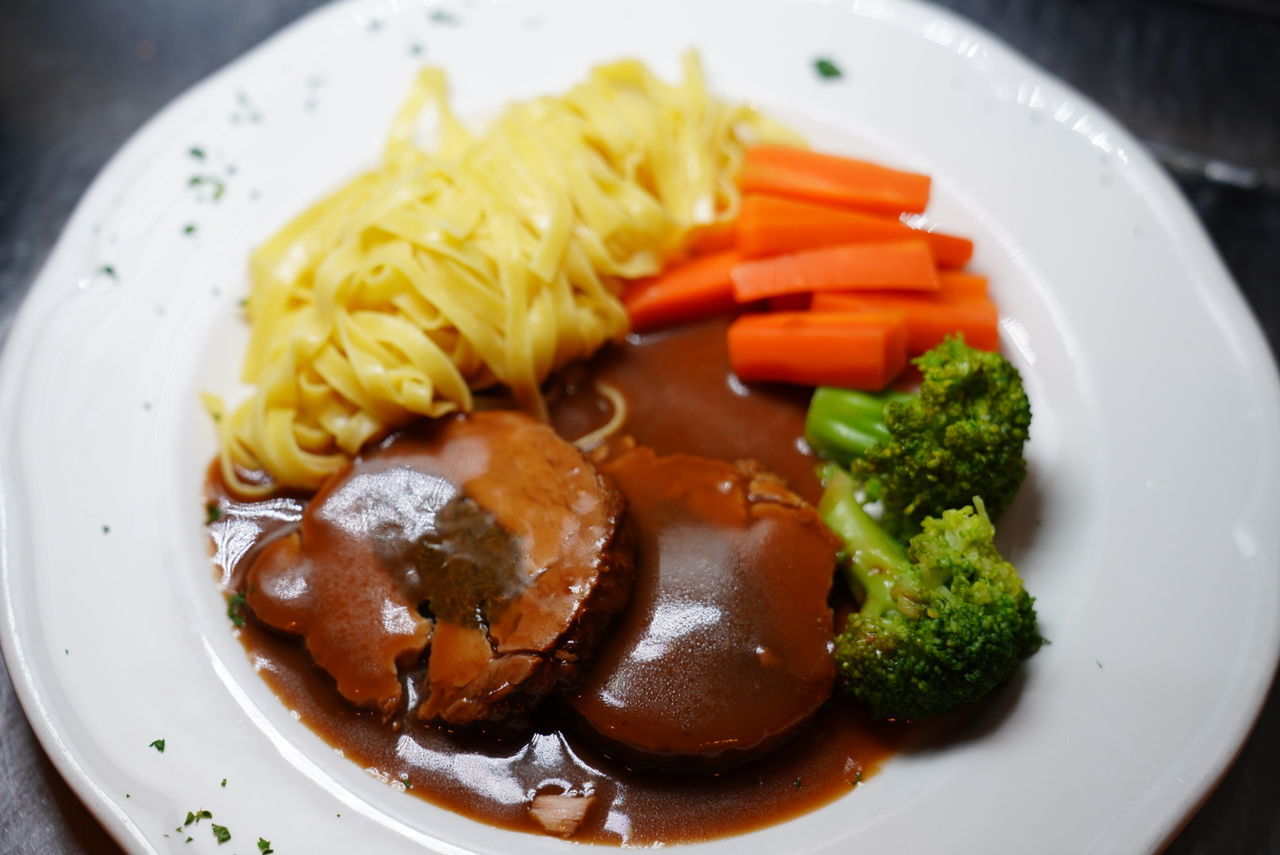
(492, 259)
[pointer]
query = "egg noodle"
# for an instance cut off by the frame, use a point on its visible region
(494, 259)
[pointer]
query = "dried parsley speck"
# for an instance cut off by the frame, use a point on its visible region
(196, 816)
(220, 832)
(264, 846)
(224, 783)
(212, 512)
(189, 229)
(197, 152)
(217, 185)
(827, 69)
(157, 745)
(235, 609)
(107, 270)
(106, 529)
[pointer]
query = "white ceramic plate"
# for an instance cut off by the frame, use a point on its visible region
(1155, 563)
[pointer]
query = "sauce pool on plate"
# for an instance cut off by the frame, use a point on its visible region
(680, 399)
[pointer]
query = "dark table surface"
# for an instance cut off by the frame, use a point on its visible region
(1197, 81)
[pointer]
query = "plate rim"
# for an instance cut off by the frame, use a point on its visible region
(1213, 280)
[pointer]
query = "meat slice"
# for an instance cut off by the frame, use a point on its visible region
(486, 538)
(724, 649)
(357, 624)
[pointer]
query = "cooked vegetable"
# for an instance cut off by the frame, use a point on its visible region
(942, 622)
(712, 237)
(930, 318)
(961, 436)
(899, 265)
(842, 424)
(957, 284)
(694, 289)
(807, 174)
(857, 351)
(773, 225)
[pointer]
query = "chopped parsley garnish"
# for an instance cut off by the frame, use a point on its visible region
(212, 512)
(195, 816)
(106, 529)
(157, 745)
(220, 832)
(235, 609)
(189, 229)
(224, 783)
(415, 49)
(217, 184)
(107, 270)
(264, 846)
(827, 69)
(443, 16)
(197, 152)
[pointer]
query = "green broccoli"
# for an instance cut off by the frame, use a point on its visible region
(920, 454)
(942, 622)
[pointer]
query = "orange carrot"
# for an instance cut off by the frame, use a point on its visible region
(697, 288)
(713, 237)
(860, 350)
(929, 319)
(828, 178)
(901, 265)
(772, 225)
(954, 284)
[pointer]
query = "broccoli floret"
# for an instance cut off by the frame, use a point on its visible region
(942, 622)
(960, 436)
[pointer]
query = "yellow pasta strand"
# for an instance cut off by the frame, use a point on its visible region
(493, 259)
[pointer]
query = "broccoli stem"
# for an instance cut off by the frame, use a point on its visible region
(876, 560)
(843, 424)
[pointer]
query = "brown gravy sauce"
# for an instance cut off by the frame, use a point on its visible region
(681, 398)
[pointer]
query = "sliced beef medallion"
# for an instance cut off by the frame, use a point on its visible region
(485, 538)
(724, 649)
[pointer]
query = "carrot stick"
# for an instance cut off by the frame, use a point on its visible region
(901, 265)
(828, 178)
(772, 225)
(693, 289)
(928, 319)
(713, 237)
(953, 284)
(851, 350)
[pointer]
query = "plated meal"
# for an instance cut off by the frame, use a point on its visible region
(534, 510)
(623, 340)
